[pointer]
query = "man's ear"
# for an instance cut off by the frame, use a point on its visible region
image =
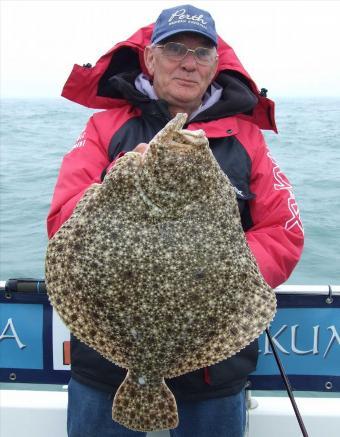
(215, 71)
(149, 60)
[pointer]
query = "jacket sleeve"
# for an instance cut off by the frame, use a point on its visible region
(81, 167)
(276, 237)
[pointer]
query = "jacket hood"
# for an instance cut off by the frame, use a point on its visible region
(91, 86)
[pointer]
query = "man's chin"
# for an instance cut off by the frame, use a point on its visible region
(184, 99)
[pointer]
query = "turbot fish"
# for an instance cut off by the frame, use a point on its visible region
(152, 270)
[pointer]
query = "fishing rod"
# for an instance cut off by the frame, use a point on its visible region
(23, 285)
(288, 386)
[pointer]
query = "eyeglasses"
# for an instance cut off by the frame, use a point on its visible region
(177, 51)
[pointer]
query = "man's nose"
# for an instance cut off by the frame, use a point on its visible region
(189, 61)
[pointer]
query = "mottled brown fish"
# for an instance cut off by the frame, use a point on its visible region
(153, 271)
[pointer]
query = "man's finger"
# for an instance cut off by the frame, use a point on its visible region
(141, 148)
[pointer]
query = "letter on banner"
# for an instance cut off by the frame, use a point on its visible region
(314, 351)
(335, 336)
(267, 349)
(10, 325)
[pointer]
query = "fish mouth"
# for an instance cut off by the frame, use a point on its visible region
(173, 138)
(184, 142)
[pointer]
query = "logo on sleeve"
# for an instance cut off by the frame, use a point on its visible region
(80, 141)
(281, 183)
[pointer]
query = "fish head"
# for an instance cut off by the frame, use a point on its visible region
(177, 165)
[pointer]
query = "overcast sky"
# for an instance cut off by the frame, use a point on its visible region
(289, 47)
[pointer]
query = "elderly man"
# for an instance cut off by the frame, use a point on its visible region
(178, 65)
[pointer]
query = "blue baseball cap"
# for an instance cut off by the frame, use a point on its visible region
(184, 18)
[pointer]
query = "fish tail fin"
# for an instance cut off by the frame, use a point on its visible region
(140, 406)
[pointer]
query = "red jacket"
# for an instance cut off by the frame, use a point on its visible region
(268, 209)
(276, 239)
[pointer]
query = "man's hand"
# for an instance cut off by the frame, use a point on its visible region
(141, 148)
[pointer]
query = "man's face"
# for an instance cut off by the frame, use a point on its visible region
(181, 83)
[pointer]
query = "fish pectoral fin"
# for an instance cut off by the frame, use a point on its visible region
(142, 406)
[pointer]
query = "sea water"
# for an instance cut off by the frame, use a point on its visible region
(36, 133)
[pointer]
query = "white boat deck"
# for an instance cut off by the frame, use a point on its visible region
(38, 413)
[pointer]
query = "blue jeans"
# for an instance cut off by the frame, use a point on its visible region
(89, 415)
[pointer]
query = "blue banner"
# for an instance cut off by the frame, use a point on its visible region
(305, 331)
(307, 341)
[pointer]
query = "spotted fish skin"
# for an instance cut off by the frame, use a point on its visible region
(153, 271)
